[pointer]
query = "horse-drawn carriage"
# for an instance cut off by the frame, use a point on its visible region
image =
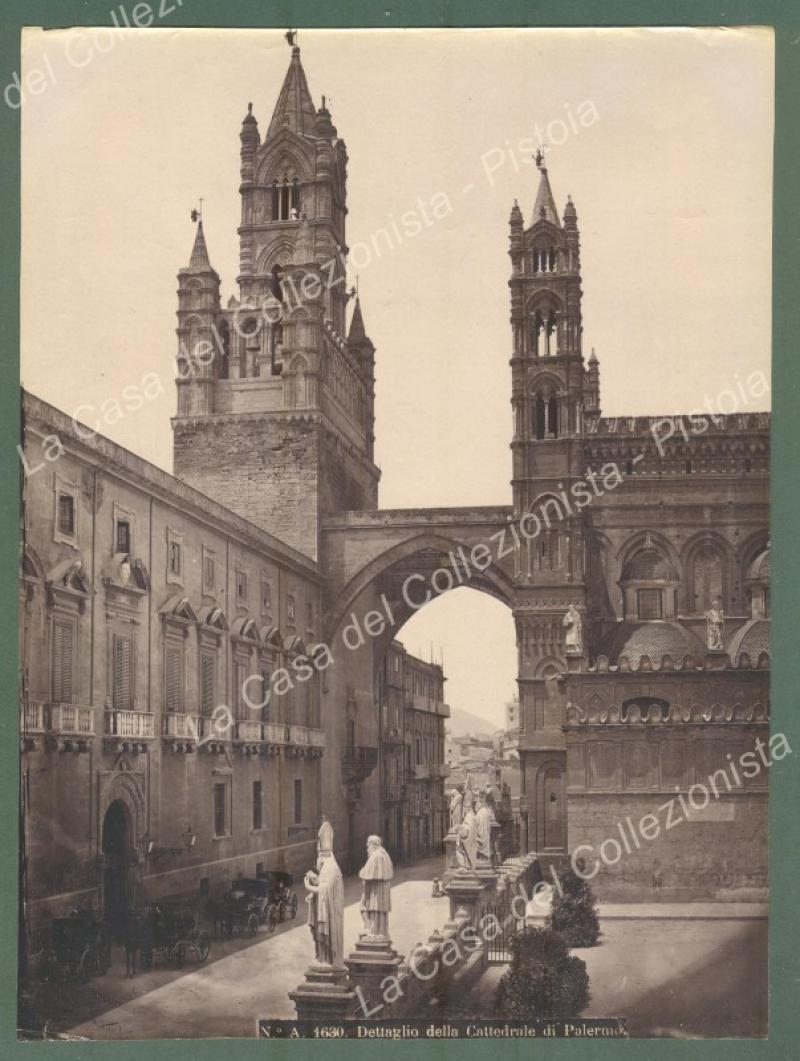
(79, 948)
(165, 932)
(282, 896)
(177, 935)
(254, 901)
(234, 914)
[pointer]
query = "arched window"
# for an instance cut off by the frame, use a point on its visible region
(539, 417)
(285, 199)
(552, 417)
(648, 580)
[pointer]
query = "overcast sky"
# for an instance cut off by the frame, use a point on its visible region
(662, 137)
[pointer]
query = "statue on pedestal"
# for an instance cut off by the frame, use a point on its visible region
(715, 625)
(573, 640)
(483, 831)
(376, 901)
(326, 902)
(466, 852)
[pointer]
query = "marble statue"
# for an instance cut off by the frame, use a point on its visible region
(466, 852)
(326, 910)
(324, 836)
(715, 625)
(376, 902)
(456, 809)
(483, 831)
(573, 641)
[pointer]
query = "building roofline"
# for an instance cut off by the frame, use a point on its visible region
(167, 487)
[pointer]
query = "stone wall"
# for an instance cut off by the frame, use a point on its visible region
(265, 469)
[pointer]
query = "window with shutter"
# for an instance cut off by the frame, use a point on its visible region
(174, 678)
(241, 678)
(63, 653)
(265, 695)
(258, 806)
(207, 682)
(220, 810)
(123, 673)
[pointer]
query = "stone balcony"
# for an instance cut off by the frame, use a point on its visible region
(305, 741)
(65, 727)
(426, 703)
(129, 731)
(185, 733)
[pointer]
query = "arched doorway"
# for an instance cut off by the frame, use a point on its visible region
(117, 843)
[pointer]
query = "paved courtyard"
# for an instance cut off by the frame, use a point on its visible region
(243, 979)
(685, 971)
(699, 972)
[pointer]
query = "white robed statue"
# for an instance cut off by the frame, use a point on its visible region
(715, 625)
(483, 831)
(467, 841)
(376, 901)
(456, 809)
(573, 639)
(326, 902)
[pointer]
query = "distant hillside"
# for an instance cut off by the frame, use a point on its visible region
(461, 723)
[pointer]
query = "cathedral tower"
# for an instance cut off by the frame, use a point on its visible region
(275, 413)
(550, 387)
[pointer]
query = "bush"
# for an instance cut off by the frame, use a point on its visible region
(574, 913)
(543, 981)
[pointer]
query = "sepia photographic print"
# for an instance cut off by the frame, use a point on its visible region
(394, 594)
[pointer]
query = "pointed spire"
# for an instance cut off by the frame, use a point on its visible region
(357, 331)
(294, 108)
(199, 258)
(544, 209)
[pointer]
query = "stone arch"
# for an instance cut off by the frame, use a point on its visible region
(496, 581)
(704, 541)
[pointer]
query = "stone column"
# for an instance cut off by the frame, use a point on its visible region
(450, 857)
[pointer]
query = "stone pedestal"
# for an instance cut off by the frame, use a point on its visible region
(465, 890)
(373, 960)
(325, 995)
(450, 857)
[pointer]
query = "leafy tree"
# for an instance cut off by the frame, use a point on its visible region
(543, 982)
(573, 913)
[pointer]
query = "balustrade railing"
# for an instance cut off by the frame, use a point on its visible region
(139, 725)
(71, 719)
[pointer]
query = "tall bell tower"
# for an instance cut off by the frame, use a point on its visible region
(550, 387)
(275, 416)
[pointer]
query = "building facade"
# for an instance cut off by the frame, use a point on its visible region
(641, 602)
(159, 755)
(410, 698)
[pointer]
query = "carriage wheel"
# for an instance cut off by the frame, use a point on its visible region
(252, 924)
(294, 906)
(203, 947)
(272, 918)
(179, 954)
